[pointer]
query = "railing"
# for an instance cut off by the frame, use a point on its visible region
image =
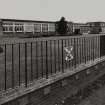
(22, 63)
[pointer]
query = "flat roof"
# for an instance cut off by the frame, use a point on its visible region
(19, 20)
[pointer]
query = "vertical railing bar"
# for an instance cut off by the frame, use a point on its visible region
(5, 68)
(73, 61)
(55, 54)
(51, 55)
(19, 65)
(42, 58)
(82, 51)
(74, 53)
(36, 61)
(79, 56)
(12, 66)
(65, 60)
(26, 64)
(58, 57)
(93, 48)
(86, 46)
(89, 49)
(77, 52)
(85, 50)
(62, 58)
(46, 61)
(31, 62)
(69, 46)
(97, 48)
(80, 46)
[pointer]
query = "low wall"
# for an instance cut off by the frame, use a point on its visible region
(57, 88)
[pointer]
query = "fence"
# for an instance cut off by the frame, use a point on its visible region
(22, 63)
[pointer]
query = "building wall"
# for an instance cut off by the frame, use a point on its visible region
(97, 27)
(1, 28)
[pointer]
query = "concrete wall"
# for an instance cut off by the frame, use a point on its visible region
(57, 92)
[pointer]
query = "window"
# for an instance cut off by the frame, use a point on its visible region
(44, 27)
(37, 27)
(7, 27)
(18, 27)
(51, 28)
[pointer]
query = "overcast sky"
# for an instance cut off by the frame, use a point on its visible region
(52, 10)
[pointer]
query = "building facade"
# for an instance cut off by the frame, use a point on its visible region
(97, 27)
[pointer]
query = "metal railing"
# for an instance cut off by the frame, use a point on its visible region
(22, 63)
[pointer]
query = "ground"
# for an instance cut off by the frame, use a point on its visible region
(96, 98)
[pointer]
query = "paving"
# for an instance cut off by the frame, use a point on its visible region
(97, 97)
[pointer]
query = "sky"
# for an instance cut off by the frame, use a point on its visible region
(52, 10)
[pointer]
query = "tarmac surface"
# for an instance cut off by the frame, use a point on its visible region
(97, 97)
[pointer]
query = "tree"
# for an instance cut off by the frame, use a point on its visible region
(61, 26)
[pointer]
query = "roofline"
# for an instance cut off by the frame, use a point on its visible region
(19, 20)
(96, 22)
